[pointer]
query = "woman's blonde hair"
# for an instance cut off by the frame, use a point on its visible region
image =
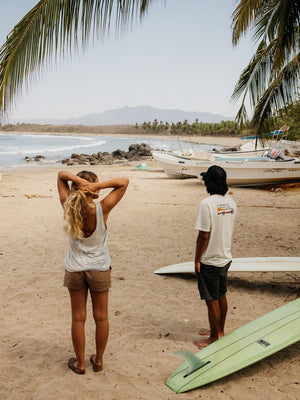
(75, 207)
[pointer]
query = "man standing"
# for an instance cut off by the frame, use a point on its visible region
(213, 257)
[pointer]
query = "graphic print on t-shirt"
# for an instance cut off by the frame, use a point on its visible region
(224, 209)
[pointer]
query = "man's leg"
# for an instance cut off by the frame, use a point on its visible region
(223, 309)
(212, 281)
(215, 318)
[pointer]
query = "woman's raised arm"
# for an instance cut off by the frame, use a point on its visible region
(119, 186)
(63, 177)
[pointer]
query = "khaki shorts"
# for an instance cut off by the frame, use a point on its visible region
(96, 281)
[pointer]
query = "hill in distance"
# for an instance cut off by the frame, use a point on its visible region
(132, 115)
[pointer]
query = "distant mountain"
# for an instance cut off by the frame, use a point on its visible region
(133, 115)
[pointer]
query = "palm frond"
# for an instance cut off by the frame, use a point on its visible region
(279, 19)
(271, 78)
(255, 76)
(243, 16)
(265, 23)
(288, 21)
(283, 91)
(51, 29)
(242, 116)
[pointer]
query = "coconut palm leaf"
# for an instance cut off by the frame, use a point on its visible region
(252, 81)
(55, 28)
(280, 93)
(243, 16)
(270, 79)
(242, 116)
(256, 73)
(267, 92)
(271, 18)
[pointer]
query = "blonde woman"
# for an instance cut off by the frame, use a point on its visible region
(87, 263)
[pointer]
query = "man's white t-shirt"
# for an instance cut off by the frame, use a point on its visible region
(217, 215)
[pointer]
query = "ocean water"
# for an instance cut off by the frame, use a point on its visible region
(14, 147)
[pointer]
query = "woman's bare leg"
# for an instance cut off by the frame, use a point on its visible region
(78, 305)
(100, 314)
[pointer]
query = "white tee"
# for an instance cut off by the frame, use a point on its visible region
(217, 215)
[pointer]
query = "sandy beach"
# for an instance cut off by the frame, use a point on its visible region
(151, 316)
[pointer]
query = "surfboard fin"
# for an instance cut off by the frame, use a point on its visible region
(194, 362)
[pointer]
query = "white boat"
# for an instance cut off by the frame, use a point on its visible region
(253, 146)
(251, 149)
(241, 153)
(240, 172)
(221, 155)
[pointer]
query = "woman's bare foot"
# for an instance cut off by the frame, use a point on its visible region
(73, 365)
(96, 367)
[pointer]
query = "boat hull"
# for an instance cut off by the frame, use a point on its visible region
(239, 173)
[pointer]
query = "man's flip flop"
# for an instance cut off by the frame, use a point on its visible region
(71, 365)
(96, 368)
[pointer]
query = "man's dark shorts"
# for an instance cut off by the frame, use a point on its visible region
(212, 281)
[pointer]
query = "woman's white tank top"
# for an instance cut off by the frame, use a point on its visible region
(89, 253)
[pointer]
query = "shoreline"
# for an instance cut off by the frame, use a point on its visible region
(217, 140)
(200, 140)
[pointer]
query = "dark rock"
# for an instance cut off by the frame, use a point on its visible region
(72, 162)
(136, 152)
(37, 158)
(119, 154)
(141, 150)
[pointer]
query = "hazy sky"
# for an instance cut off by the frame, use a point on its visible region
(179, 56)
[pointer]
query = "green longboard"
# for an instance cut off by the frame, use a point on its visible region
(244, 346)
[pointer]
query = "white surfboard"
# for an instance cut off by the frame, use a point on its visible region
(254, 264)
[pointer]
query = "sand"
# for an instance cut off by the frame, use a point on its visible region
(151, 316)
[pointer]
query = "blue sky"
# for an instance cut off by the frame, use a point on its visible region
(179, 56)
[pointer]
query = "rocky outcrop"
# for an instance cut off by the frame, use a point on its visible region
(37, 158)
(136, 152)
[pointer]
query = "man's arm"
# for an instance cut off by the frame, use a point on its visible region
(201, 245)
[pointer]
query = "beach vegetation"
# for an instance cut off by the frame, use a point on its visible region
(289, 116)
(270, 82)
(224, 128)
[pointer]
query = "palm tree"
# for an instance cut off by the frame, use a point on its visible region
(271, 79)
(52, 28)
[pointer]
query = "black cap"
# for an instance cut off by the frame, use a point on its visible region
(214, 174)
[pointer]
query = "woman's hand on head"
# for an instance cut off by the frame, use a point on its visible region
(89, 187)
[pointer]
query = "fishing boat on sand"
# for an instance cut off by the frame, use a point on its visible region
(253, 146)
(252, 171)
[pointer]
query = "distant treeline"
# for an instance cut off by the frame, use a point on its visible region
(224, 128)
(289, 116)
(72, 129)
